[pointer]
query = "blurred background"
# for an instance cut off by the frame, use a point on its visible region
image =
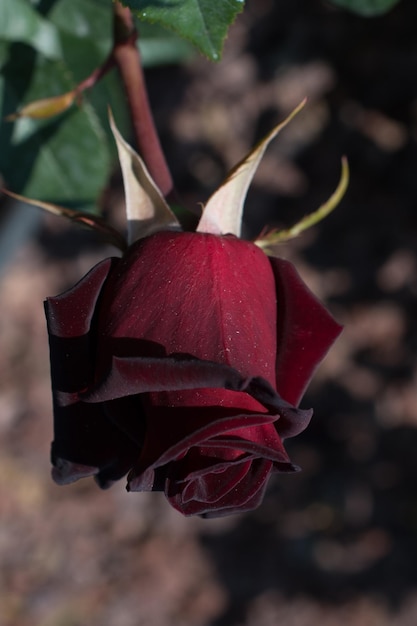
(336, 543)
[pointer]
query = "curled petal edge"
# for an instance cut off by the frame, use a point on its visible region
(134, 375)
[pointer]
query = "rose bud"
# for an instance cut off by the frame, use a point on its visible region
(182, 363)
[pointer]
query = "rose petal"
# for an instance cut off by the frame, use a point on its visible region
(70, 313)
(261, 441)
(212, 298)
(246, 495)
(202, 460)
(306, 330)
(210, 487)
(85, 437)
(69, 317)
(172, 432)
(136, 375)
(66, 472)
(293, 421)
(85, 441)
(216, 455)
(130, 376)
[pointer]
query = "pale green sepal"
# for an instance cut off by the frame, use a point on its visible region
(274, 237)
(146, 209)
(223, 212)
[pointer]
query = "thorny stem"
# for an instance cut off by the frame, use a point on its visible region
(127, 59)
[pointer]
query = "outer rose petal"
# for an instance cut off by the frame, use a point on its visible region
(306, 330)
(85, 442)
(130, 376)
(209, 297)
(133, 375)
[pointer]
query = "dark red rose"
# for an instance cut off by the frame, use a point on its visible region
(182, 364)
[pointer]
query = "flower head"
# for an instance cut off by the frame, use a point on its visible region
(182, 363)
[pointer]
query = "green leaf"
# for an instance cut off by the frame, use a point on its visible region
(203, 22)
(159, 46)
(64, 159)
(20, 22)
(87, 21)
(367, 7)
(166, 50)
(46, 48)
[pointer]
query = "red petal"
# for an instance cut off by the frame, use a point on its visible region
(209, 487)
(172, 431)
(306, 330)
(70, 313)
(69, 318)
(133, 375)
(85, 441)
(212, 298)
(137, 375)
(244, 495)
(261, 441)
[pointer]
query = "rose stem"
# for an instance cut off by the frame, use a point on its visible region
(127, 58)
